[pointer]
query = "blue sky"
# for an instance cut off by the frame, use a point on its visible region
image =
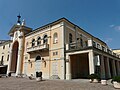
(100, 18)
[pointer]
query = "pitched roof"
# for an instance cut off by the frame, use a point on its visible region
(4, 42)
(59, 20)
(16, 27)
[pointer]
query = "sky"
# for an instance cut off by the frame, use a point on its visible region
(101, 18)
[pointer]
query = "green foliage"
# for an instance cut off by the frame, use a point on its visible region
(94, 76)
(116, 78)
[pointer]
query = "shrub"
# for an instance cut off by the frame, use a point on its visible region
(94, 76)
(116, 78)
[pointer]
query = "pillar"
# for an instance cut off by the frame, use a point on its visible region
(114, 68)
(68, 68)
(90, 42)
(62, 50)
(102, 68)
(10, 60)
(91, 62)
(108, 68)
(20, 57)
(118, 68)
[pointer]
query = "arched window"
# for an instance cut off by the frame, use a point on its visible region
(81, 42)
(8, 58)
(38, 41)
(33, 42)
(38, 58)
(45, 40)
(70, 38)
(55, 38)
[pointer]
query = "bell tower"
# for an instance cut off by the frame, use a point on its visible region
(17, 34)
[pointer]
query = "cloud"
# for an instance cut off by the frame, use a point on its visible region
(111, 25)
(108, 40)
(115, 27)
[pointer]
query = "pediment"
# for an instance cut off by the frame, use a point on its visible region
(13, 29)
(19, 27)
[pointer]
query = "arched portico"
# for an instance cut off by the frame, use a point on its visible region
(14, 57)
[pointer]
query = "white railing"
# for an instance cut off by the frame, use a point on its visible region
(38, 47)
(91, 43)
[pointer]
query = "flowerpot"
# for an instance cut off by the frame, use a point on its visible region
(95, 81)
(104, 82)
(39, 79)
(116, 85)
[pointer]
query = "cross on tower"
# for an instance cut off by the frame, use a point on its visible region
(19, 22)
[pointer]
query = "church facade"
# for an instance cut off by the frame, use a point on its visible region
(60, 50)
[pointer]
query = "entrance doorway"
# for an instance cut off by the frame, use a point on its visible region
(37, 64)
(14, 57)
(79, 65)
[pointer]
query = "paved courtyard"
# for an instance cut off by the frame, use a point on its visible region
(13, 83)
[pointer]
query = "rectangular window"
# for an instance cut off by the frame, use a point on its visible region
(55, 53)
(2, 60)
(8, 58)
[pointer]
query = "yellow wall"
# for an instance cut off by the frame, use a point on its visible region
(52, 60)
(49, 55)
(5, 52)
(117, 51)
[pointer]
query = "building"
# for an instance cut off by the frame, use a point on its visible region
(4, 55)
(116, 51)
(61, 50)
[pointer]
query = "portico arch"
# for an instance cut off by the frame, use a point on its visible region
(14, 57)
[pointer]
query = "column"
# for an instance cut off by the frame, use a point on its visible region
(102, 67)
(62, 51)
(91, 62)
(10, 60)
(108, 68)
(118, 68)
(68, 68)
(20, 57)
(114, 68)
